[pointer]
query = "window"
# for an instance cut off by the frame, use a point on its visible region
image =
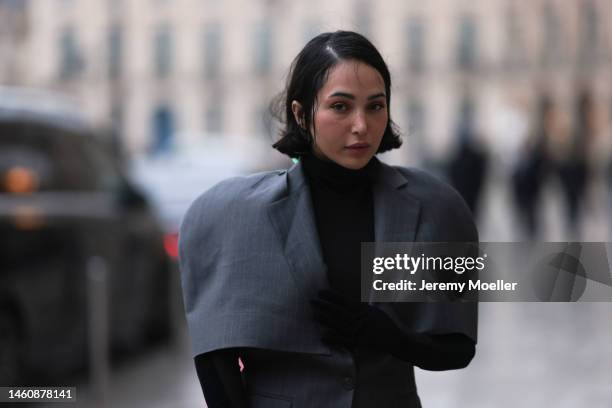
(466, 49)
(115, 5)
(55, 159)
(163, 129)
(101, 164)
(212, 51)
(363, 17)
(416, 45)
(263, 48)
(515, 56)
(115, 50)
(71, 61)
(17, 5)
(14, 23)
(589, 33)
(163, 51)
(551, 42)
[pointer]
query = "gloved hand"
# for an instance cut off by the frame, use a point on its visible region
(349, 323)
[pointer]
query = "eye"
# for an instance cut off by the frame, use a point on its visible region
(377, 106)
(339, 107)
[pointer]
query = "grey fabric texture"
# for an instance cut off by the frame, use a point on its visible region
(250, 262)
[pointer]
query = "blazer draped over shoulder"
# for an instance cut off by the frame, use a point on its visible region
(250, 257)
(250, 262)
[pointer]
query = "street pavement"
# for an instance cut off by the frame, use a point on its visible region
(529, 355)
(160, 377)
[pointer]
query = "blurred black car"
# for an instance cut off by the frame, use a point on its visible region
(65, 205)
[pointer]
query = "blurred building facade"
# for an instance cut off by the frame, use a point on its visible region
(169, 72)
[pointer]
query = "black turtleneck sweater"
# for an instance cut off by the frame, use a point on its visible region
(344, 214)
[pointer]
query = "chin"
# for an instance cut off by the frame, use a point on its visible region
(354, 164)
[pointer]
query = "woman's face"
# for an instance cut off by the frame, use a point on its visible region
(350, 115)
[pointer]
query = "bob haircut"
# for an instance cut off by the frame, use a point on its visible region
(308, 74)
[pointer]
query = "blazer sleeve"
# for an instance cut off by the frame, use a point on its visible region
(444, 217)
(237, 288)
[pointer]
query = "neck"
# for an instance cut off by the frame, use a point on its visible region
(321, 170)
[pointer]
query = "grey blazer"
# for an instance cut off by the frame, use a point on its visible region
(250, 262)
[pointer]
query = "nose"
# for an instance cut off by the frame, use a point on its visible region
(359, 125)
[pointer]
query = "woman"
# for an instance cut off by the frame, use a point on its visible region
(270, 262)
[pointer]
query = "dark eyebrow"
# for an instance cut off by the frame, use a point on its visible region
(378, 95)
(343, 94)
(350, 96)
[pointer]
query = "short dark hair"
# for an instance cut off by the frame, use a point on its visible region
(308, 74)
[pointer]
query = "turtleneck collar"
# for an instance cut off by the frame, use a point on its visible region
(336, 176)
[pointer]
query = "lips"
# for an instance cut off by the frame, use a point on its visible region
(356, 146)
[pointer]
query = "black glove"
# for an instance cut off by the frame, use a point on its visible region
(349, 323)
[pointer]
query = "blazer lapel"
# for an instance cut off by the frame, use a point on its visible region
(396, 212)
(396, 215)
(293, 219)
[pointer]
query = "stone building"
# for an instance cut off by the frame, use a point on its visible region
(168, 73)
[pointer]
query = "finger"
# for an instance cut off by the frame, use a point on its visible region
(352, 307)
(326, 319)
(334, 321)
(333, 297)
(332, 309)
(332, 337)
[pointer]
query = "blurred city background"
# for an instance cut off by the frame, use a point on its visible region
(116, 114)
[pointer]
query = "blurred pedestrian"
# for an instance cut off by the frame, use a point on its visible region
(531, 169)
(572, 166)
(271, 262)
(468, 168)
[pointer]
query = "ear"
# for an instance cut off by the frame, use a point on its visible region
(296, 108)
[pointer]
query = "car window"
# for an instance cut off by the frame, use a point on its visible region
(101, 162)
(49, 159)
